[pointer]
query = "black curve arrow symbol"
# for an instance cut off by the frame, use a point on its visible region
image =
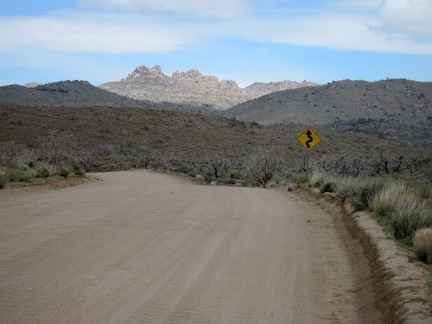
(310, 140)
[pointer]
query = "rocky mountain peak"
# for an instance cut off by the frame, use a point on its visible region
(145, 72)
(194, 75)
(192, 88)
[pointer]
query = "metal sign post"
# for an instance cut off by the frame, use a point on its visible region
(308, 139)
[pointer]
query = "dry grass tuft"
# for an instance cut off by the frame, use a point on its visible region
(399, 206)
(423, 245)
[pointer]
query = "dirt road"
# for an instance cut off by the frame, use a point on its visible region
(141, 247)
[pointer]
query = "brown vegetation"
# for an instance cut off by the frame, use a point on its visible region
(104, 139)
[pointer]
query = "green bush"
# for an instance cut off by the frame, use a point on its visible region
(24, 167)
(236, 175)
(80, 172)
(13, 174)
(328, 187)
(43, 172)
(64, 172)
(19, 175)
(27, 176)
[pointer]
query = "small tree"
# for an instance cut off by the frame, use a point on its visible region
(389, 164)
(55, 147)
(263, 165)
(215, 164)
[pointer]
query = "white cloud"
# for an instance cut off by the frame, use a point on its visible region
(201, 8)
(409, 17)
(366, 4)
(339, 31)
(396, 26)
(86, 34)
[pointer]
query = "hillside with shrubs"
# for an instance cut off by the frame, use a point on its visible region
(396, 109)
(39, 142)
(389, 179)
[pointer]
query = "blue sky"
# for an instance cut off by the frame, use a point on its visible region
(241, 40)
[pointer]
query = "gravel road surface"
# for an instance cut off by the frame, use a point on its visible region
(143, 247)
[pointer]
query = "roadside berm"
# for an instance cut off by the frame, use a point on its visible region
(400, 282)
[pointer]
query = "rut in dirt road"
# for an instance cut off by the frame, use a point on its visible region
(141, 247)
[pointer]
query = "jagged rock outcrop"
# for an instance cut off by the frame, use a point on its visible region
(192, 88)
(142, 71)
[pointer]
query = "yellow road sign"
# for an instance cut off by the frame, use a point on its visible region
(309, 139)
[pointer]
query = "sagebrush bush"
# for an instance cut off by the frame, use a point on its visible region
(64, 172)
(28, 175)
(43, 171)
(80, 172)
(423, 245)
(19, 175)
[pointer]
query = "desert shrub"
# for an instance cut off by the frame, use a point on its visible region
(229, 181)
(27, 176)
(360, 190)
(385, 202)
(13, 174)
(299, 178)
(24, 167)
(409, 217)
(328, 187)
(341, 165)
(19, 175)
(424, 191)
(208, 177)
(324, 182)
(43, 171)
(78, 170)
(423, 245)
(4, 179)
(399, 207)
(236, 175)
(184, 168)
(316, 179)
(64, 171)
(262, 166)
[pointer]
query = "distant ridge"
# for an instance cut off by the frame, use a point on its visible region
(394, 109)
(192, 87)
(78, 94)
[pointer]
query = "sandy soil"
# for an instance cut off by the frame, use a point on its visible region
(141, 247)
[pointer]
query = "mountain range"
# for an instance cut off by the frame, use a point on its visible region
(80, 94)
(395, 109)
(192, 88)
